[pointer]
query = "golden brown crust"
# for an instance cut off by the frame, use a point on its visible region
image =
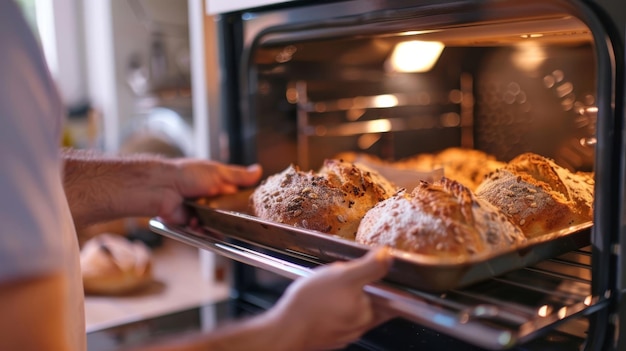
(539, 195)
(112, 265)
(441, 219)
(333, 200)
(466, 166)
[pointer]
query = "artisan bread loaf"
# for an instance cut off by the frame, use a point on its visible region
(332, 200)
(539, 195)
(113, 265)
(442, 219)
(467, 166)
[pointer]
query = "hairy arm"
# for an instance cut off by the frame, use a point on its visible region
(102, 187)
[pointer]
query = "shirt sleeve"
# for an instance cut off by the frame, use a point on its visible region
(31, 116)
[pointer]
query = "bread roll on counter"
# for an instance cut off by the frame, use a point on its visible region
(113, 265)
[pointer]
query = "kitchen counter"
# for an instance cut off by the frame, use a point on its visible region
(178, 285)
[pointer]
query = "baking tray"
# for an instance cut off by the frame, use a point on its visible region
(227, 216)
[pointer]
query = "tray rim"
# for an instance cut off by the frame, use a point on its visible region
(407, 255)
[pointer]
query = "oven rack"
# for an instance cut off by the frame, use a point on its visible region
(372, 117)
(495, 314)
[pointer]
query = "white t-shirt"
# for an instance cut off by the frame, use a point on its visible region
(36, 229)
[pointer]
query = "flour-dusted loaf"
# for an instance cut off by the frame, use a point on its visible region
(332, 200)
(539, 195)
(441, 219)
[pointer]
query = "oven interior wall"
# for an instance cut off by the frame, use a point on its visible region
(330, 98)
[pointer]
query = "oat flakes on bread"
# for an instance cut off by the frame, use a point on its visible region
(539, 195)
(441, 219)
(332, 200)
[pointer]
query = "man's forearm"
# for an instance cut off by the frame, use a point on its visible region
(101, 187)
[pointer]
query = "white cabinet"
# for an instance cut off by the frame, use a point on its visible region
(221, 6)
(122, 33)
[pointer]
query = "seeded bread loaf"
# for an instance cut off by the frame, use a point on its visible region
(332, 200)
(539, 195)
(441, 219)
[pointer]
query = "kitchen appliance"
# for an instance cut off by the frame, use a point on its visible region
(305, 80)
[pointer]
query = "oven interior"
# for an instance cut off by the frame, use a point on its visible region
(500, 83)
(530, 88)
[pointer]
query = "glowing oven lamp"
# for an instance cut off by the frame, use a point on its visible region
(415, 56)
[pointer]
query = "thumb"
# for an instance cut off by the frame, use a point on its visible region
(373, 266)
(245, 176)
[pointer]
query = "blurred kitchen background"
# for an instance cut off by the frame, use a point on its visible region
(121, 66)
(128, 71)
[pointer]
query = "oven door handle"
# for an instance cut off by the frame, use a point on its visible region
(388, 300)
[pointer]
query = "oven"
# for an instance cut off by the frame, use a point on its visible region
(302, 81)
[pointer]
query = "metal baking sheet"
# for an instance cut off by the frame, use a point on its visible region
(227, 216)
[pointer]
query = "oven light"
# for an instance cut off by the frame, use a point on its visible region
(591, 141)
(385, 101)
(529, 56)
(544, 311)
(562, 312)
(414, 56)
(417, 32)
(588, 300)
(528, 36)
(378, 126)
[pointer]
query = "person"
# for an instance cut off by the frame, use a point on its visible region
(46, 194)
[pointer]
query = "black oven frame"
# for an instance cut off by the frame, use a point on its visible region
(606, 19)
